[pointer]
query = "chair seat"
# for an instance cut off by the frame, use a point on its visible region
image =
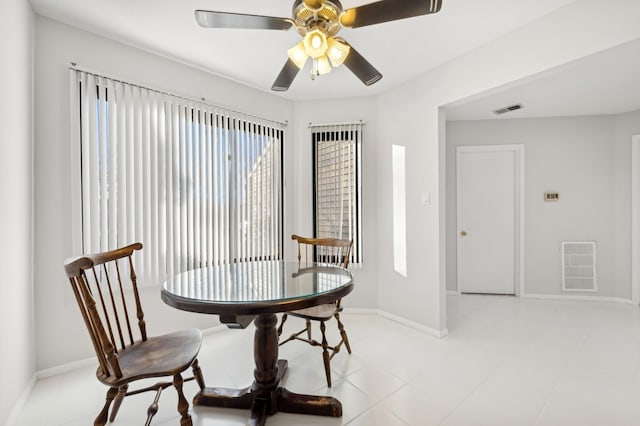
(158, 356)
(317, 313)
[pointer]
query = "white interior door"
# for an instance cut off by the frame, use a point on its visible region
(488, 188)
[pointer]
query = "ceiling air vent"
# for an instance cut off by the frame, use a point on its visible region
(507, 109)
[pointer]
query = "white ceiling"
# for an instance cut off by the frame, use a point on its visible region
(601, 84)
(605, 83)
(400, 50)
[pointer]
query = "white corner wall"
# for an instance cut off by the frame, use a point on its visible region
(56, 45)
(17, 355)
(411, 118)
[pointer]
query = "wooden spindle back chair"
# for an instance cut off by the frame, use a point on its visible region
(331, 251)
(105, 287)
(334, 252)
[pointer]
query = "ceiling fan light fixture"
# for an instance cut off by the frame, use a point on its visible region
(315, 43)
(298, 54)
(322, 65)
(337, 51)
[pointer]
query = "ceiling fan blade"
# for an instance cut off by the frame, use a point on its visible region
(286, 76)
(361, 67)
(211, 19)
(386, 11)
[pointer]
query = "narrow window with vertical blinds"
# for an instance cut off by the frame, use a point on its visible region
(197, 184)
(336, 179)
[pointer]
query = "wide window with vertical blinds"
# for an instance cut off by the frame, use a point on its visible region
(197, 184)
(336, 180)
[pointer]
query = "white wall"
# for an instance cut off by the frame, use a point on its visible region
(56, 46)
(411, 118)
(574, 156)
(365, 292)
(17, 356)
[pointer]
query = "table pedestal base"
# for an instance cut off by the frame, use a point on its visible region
(265, 403)
(265, 397)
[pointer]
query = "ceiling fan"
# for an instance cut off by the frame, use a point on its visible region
(318, 21)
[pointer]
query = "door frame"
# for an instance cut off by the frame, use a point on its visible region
(635, 219)
(518, 176)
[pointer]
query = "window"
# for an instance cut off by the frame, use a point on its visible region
(399, 210)
(336, 181)
(198, 185)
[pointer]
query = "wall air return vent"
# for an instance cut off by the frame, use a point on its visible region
(579, 266)
(508, 109)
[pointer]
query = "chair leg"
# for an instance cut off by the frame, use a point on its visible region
(284, 318)
(183, 404)
(153, 408)
(101, 420)
(343, 333)
(325, 354)
(309, 329)
(197, 374)
(122, 391)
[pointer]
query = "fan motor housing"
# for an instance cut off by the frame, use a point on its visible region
(326, 18)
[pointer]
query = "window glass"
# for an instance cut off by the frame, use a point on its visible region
(336, 170)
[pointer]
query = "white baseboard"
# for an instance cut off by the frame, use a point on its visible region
(577, 297)
(20, 403)
(91, 361)
(361, 311)
(66, 368)
(428, 330)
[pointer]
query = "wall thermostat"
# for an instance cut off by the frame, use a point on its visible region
(551, 196)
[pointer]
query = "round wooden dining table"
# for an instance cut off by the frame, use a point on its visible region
(244, 292)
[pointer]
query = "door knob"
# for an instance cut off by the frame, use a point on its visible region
(463, 233)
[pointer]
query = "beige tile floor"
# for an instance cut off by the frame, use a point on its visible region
(506, 361)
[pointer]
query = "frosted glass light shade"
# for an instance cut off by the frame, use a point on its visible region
(298, 54)
(323, 65)
(315, 43)
(337, 51)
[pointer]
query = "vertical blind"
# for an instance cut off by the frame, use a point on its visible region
(337, 170)
(197, 184)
